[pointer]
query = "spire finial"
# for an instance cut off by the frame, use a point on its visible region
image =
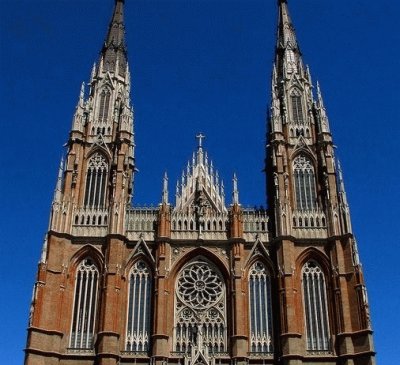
(200, 157)
(200, 136)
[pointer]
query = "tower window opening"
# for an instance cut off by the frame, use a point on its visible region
(297, 109)
(104, 106)
(260, 309)
(139, 308)
(85, 303)
(315, 307)
(96, 180)
(304, 182)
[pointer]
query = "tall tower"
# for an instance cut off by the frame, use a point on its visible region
(324, 314)
(79, 261)
(203, 280)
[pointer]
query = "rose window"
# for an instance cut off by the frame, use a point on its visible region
(200, 308)
(199, 286)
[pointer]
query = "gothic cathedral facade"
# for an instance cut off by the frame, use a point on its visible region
(200, 281)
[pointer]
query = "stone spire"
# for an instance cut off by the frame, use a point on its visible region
(114, 52)
(288, 55)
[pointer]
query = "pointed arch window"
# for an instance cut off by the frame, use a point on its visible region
(85, 304)
(96, 182)
(315, 307)
(297, 108)
(139, 308)
(200, 309)
(104, 105)
(261, 335)
(304, 182)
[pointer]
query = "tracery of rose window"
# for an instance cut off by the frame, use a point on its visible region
(200, 310)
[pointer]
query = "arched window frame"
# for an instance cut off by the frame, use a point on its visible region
(304, 183)
(260, 308)
(96, 181)
(84, 312)
(138, 326)
(196, 321)
(296, 104)
(315, 306)
(104, 105)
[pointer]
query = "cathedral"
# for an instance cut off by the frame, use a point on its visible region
(201, 280)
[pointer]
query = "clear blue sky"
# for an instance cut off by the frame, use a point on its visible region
(198, 66)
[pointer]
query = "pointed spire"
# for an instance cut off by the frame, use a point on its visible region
(165, 189)
(235, 193)
(288, 55)
(114, 52)
(286, 33)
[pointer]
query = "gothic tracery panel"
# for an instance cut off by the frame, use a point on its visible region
(85, 304)
(315, 307)
(200, 308)
(260, 308)
(304, 183)
(96, 182)
(139, 308)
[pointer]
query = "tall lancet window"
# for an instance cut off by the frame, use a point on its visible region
(96, 181)
(85, 304)
(260, 309)
(104, 106)
(297, 108)
(139, 308)
(304, 182)
(315, 307)
(200, 309)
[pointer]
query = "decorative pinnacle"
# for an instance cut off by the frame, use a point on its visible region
(235, 193)
(165, 189)
(58, 189)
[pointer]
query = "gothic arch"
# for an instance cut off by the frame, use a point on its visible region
(200, 251)
(98, 148)
(304, 150)
(313, 254)
(84, 252)
(133, 259)
(262, 258)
